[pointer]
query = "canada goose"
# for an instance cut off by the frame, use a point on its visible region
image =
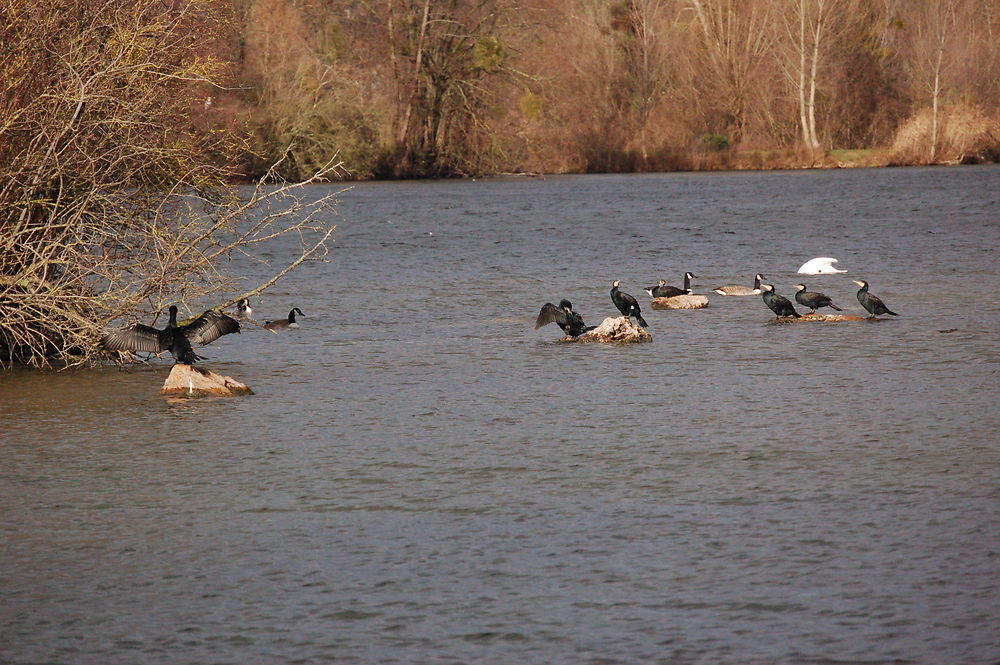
(664, 290)
(563, 316)
(821, 265)
(780, 305)
(812, 299)
(205, 329)
(739, 289)
(285, 323)
(871, 302)
(626, 304)
(243, 310)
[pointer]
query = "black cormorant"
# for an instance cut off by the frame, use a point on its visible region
(871, 302)
(285, 323)
(812, 299)
(739, 289)
(664, 290)
(205, 329)
(780, 305)
(626, 304)
(563, 316)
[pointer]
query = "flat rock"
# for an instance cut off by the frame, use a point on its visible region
(615, 330)
(824, 318)
(686, 301)
(188, 380)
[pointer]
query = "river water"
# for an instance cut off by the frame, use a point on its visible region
(423, 477)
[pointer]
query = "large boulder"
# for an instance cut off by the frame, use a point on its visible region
(620, 330)
(685, 301)
(188, 380)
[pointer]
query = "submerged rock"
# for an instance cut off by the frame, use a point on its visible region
(185, 380)
(615, 330)
(825, 318)
(685, 301)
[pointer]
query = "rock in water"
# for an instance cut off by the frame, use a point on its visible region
(185, 380)
(686, 301)
(615, 330)
(825, 318)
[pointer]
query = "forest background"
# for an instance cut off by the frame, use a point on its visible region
(431, 88)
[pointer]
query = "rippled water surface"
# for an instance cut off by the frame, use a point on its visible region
(422, 477)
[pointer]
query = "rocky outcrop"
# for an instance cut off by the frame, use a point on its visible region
(620, 330)
(188, 380)
(823, 318)
(686, 301)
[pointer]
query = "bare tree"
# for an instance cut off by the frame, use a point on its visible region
(643, 43)
(112, 205)
(810, 29)
(736, 43)
(932, 57)
(444, 55)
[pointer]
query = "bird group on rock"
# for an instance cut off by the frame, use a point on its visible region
(571, 322)
(179, 339)
(782, 307)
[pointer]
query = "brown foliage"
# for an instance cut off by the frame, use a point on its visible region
(967, 135)
(111, 204)
(418, 87)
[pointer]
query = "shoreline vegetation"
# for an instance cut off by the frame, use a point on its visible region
(443, 88)
(125, 128)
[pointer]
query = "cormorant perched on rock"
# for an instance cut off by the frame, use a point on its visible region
(285, 323)
(664, 290)
(871, 302)
(205, 329)
(626, 304)
(563, 316)
(739, 289)
(812, 299)
(780, 305)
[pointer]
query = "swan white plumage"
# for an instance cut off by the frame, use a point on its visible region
(821, 265)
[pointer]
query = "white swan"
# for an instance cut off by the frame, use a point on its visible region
(821, 265)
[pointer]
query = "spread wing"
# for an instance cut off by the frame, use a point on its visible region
(209, 327)
(549, 313)
(137, 337)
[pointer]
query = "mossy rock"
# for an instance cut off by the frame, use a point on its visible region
(685, 301)
(820, 318)
(620, 330)
(191, 381)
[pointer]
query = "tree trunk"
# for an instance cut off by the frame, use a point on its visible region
(817, 36)
(936, 96)
(803, 117)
